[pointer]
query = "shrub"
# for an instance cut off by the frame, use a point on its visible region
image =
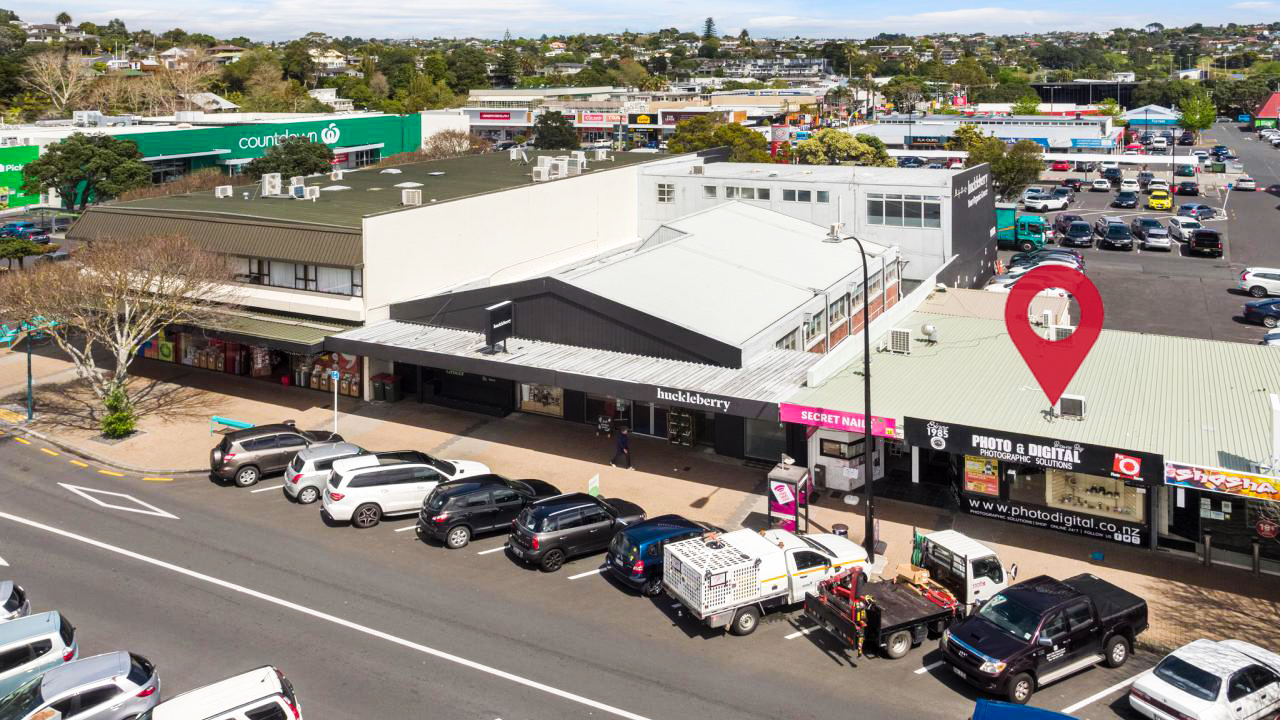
(119, 420)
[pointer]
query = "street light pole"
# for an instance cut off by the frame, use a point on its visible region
(30, 398)
(869, 538)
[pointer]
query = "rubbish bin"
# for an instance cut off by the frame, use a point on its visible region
(1218, 167)
(379, 388)
(391, 385)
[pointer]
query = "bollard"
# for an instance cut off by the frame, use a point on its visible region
(1208, 548)
(1257, 558)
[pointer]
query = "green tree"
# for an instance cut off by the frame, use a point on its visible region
(1110, 108)
(508, 70)
(1012, 168)
(1027, 105)
(63, 18)
(696, 133)
(554, 131)
(469, 68)
(745, 145)
(828, 146)
(877, 154)
(12, 248)
(969, 73)
(709, 29)
(297, 63)
(904, 92)
(295, 155)
(1198, 112)
(86, 167)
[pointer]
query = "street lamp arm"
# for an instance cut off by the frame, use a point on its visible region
(869, 538)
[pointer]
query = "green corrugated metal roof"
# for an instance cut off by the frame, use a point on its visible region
(281, 328)
(319, 245)
(1194, 401)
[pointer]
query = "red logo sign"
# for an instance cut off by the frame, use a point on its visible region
(1127, 465)
(495, 116)
(1267, 529)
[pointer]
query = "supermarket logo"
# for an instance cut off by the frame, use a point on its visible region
(328, 136)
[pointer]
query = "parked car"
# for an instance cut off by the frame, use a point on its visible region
(310, 468)
(246, 455)
(1130, 185)
(1063, 192)
(15, 602)
(1033, 193)
(549, 531)
(1077, 234)
(1060, 166)
(1271, 339)
(35, 235)
(1041, 630)
(1063, 220)
(1076, 184)
(1086, 165)
(1181, 227)
(1187, 140)
(1187, 187)
(1100, 185)
(1197, 211)
(1109, 165)
(1200, 155)
(1257, 281)
(114, 686)
(458, 509)
(1208, 680)
(1112, 174)
(1113, 233)
(1206, 242)
(1157, 238)
(1036, 256)
(1158, 184)
(910, 162)
(1160, 200)
(261, 694)
(1244, 182)
(1140, 225)
(635, 553)
(1126, 199)
(31, 646)
(1045, 203)
(1263, 312)
(364, 488)
(1144, 178)
(11, 229)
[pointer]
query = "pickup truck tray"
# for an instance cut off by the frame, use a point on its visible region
(892, 607)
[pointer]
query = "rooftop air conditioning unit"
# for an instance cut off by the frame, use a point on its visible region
(335, 175)
(223, 191)
(580, 155)
(1071, 406)
(561, 166)
(541, 174)
(271, 184)
(311, 192)
(513, 154)
(1046, 318)
(297, 180)
(545, 161)
(600, 155)
(900, 341)
(1059, 332)
(696, 170)
(411, 196)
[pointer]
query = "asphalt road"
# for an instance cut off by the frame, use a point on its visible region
(207, 581)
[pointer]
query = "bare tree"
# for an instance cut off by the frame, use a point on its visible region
(118, 294)
(452, 143)
(61, 78)
(190, 75)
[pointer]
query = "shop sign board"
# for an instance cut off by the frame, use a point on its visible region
(12, 161)
(643, 119)
(981, 475)
(495, 116)
(602, 118)
(676, 117)
(1219, 480)
(782, 493)
(1266, 528)
(837, 420)
(501, 324)
(1102, 528)
(1129, 465)
(694, 399)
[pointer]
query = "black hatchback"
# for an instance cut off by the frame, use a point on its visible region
(457, 509)
(548, 531)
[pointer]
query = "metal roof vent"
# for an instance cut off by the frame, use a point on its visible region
(1070, 406)
(695, 170)
(930, 332)
(900, 341)
(389, 171)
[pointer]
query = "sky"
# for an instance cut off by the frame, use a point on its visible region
(286, 19)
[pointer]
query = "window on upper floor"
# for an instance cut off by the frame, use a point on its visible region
(300, 276)
(666, 192)
(708, 191)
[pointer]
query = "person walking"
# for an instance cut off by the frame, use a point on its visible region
(622, 448)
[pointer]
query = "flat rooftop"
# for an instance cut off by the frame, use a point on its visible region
(814, 173)
(369, 191)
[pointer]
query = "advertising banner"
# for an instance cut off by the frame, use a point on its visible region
(1135, 467)
(837, 420)
(643, 119)
(601, 118)
(12, 160)
(495, 116)
(1228, 482)
(981, 475)
(1130, 533)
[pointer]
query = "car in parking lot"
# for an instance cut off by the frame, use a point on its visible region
(30, 646)
(1160, 200)
(1186, 139)
(309, 469)
(1206, 242)
(1060, 166)
(910, 162)
(1130, 185)
(1144, 178)
(113, 686)
(549, 531)
(260, 694)
(365, 488)
(1036, 256)
(246, 455)
(635, 553)
(1197, 211)
(1076, 184)
(1264, 312)
(1113, 175)
(1156, 238)
(1218, 149)
(1034, 192)
(1158, 184)
(1187, 187)
(1113, 233)
(14, 602)
(1126, 199)
(1245, 182)
(1257, 281)
(1208, 680)
(1181, 227)
(1086, 165)
(1062, 221)
(1045, 203)
(1109, 165)
(1271, 338)
(457, 510)
(1139, 226)
(1077, 234)
(1201, 155)
(1100, 185)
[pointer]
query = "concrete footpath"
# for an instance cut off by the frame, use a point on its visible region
(1186, 599)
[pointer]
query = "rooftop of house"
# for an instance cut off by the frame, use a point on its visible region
(370, 191)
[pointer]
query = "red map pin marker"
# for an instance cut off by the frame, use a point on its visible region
(1053, 363)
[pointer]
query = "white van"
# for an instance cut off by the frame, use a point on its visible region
(1159, 143)
(261, 694)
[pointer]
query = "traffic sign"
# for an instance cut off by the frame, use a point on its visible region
(333, 374)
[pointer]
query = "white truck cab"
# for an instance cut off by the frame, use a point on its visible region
(732, 579)
(970, 570)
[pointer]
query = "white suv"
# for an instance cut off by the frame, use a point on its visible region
(1260, 281)
(364, 488)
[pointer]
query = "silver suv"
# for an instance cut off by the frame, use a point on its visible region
(114, 686)
(30, 646)
(310, 468)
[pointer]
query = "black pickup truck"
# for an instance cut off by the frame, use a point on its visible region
(1041, 630)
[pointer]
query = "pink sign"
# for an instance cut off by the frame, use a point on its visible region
(495, 116)
(837, 420)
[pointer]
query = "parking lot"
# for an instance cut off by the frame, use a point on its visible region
(1175, 293)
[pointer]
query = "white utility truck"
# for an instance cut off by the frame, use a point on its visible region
(970, 570)
(734, 578)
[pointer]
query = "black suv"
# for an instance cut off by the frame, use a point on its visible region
(1114, 175)
(551, 530)
(457, 509)
(1144, 179)
(247, 455)
(1116, 235)
(1077, 234)
(1205, 242)
(1125, 199)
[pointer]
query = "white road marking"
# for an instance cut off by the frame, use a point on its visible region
(597, 571)
(265, 489)
(798, 633)
(492, 550)
(407, 529)
(302, 609)
(145, 509)
(930, 666)
(1101, 694)
(3, 563)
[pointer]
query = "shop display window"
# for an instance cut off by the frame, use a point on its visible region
(1078, 492)
(542, 399)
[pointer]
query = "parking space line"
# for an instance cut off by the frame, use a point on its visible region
(798, 633)
(47, 451)
(1102, 693)
(157, 479)
(597, 571)
(407, 529)
(492, 550)
(111, 473)
(930, 666)
(77, 463)
(265, 489)
(24, 441)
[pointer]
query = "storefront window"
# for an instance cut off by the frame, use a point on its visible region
(765, 439)
(1089, 494)
(542, 399)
